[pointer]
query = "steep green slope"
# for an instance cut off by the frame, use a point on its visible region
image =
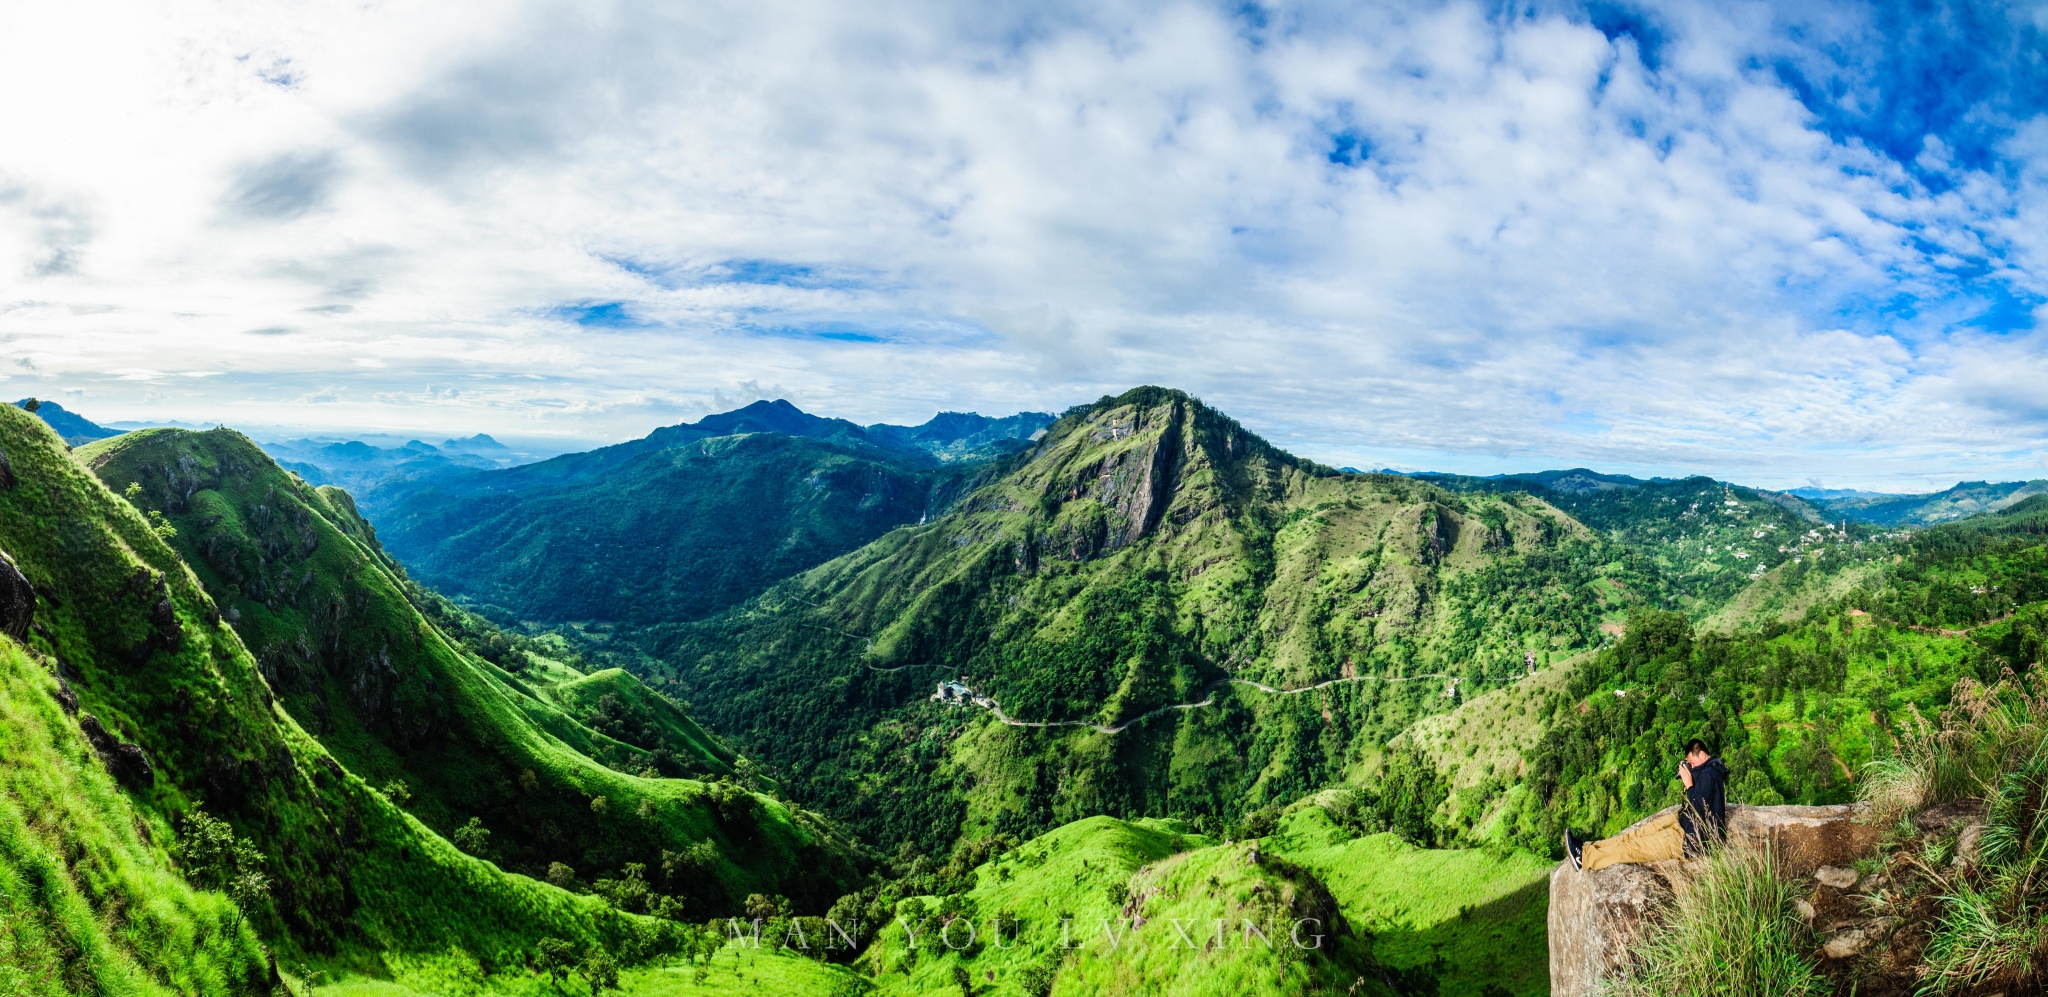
(615, 704)
(180, 712)
(72, 847)
(1147, 554)
(300, 578)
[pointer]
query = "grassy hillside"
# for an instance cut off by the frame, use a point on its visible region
(73, 847)
(1460, 920)
(1108, 906)
(462, 744)
(124, 633)
(1148, 553)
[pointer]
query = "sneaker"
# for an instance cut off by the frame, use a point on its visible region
(1572, 848)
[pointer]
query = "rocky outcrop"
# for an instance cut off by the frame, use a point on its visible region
(124, 761)
(17, 600)
(1596, 918)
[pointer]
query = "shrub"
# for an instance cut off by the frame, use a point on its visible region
(215, 859)
(472, 837)
(1965, 752)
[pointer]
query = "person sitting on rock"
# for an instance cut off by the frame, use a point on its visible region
(1677, 834)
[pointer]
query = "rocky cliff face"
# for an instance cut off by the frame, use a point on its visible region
(1597, 917)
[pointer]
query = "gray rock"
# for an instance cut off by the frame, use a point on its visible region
(1597, 917)
(1836, 876)
(1804, 909)
(124, 761)
(1970, 847)
(1848, 944)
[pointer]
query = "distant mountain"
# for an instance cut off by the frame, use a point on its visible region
(1716, 536)
(369, 472)
(479, 444)
(74, 428)
(956, 435)
(1813, 493)
(1966, 498)
(688, 520)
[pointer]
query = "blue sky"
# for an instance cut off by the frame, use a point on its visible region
(1775, 243)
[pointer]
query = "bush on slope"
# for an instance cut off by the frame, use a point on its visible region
(300, 578)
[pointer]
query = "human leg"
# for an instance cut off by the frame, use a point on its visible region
(1656, 840)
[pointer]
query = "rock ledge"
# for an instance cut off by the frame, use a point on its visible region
(1597, 917)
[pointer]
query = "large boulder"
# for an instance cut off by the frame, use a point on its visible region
(1596, 918)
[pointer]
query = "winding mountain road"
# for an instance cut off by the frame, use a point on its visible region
(1208, 692)
(1209, 699)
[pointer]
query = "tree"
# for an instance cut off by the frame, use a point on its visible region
(600, 970)
(472, 837)
(215, 859)
(554, 957)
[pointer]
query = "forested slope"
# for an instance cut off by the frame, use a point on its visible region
(1146, 552)
(689, 520)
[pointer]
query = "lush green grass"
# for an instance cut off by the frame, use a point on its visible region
(615, 703)
(733, 970)
(87, 900)
(1467, 917)
(1108, 906)
(300, 578)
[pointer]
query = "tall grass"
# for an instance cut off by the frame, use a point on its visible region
(1990, 743)
(1731, 929)
(1965, 752)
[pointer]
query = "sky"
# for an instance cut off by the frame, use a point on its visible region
(1782, 244)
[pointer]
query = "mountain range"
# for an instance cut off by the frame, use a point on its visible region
(606, 715)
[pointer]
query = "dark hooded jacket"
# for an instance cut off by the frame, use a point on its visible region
(1707, 799)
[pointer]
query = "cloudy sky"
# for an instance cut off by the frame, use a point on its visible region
(1771, 242)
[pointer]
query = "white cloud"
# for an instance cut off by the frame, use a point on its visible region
(1374, 232)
